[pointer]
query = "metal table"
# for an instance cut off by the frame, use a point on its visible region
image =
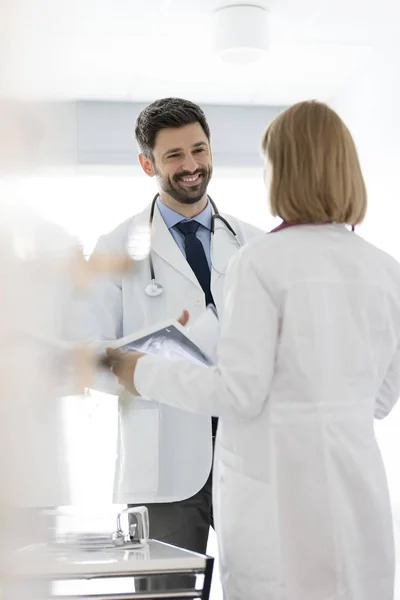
(150, 572)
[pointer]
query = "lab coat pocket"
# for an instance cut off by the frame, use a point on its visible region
(139, 435)
(246, 520)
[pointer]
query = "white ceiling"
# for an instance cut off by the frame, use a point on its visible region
(139, 50)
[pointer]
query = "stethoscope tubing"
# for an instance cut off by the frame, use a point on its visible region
(215, 216)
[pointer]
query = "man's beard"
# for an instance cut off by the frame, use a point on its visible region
(185, 195)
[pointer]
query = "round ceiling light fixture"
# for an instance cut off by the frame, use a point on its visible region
(240, 33)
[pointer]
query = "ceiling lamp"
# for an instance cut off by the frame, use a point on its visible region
(240, 33)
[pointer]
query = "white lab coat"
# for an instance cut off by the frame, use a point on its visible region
(164, 453)
(309, 354)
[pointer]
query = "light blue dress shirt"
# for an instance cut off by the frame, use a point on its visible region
(172, 218)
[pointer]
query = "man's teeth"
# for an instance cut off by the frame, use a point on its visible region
(189, 179)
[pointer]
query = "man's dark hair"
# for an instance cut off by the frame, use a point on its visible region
(164, 113)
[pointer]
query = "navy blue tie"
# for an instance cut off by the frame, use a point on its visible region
(197, 260)
(196, 257)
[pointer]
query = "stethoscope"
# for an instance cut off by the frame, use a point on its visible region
(154, 289)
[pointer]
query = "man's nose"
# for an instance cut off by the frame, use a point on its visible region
(190, 164)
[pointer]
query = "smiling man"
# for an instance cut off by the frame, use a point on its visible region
(182, 180)
(165, 454)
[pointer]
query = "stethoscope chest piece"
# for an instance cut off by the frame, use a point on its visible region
(153, 289)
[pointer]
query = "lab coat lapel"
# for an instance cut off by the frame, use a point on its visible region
(163, 244)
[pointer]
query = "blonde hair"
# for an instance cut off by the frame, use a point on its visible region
(316, 174)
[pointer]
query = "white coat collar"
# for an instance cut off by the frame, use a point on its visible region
(223, 246)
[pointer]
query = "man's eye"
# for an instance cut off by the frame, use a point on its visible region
(199, 150)
(173, 155)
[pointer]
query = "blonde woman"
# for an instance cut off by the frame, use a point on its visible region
(309, 356)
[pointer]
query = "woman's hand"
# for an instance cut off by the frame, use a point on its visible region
(123, 365)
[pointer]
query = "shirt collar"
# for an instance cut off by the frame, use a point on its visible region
(172, 218)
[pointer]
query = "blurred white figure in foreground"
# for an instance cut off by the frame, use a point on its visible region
(35, 303)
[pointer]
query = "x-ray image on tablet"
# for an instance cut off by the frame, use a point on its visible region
(170, 339)
(169, 342)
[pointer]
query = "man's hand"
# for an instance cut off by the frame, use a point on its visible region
(123, 365)
(184, 318)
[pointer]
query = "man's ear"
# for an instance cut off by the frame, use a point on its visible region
(146, 165)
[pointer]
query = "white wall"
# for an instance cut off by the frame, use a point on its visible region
(370, 106)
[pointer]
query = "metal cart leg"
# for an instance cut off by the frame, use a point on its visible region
(207, 579)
